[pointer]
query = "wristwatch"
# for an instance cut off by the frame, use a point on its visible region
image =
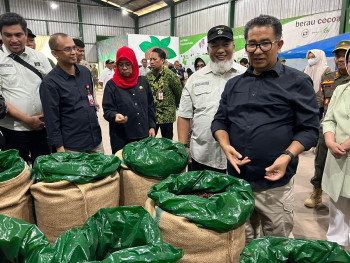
(287, 152)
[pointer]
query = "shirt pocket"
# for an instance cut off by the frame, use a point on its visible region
(8, 72)
(202, 96)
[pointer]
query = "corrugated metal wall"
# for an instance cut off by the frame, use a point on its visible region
(2, 7)
(157, 23)
(97, 20)
(212, 13)
(281, 8)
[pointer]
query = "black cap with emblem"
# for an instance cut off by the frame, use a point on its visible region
(220, 31)
(30, 33)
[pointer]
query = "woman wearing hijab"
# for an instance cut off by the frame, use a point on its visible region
(336, 176)
(316, 68)
(128, 103)
(198, 64)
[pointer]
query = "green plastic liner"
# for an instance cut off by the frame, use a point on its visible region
(122, 234)
(74, 167)
(155, 157)
(279, 249)
(229, 207)
(11, 165)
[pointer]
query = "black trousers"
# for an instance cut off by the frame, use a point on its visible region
(196, 166)
(166, 130)
(30, 144)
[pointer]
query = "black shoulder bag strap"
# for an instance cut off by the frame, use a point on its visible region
(25, 64)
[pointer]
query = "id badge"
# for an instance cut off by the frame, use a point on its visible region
(91, 100)
(160, 95)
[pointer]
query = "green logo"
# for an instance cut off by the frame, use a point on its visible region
(37, 64)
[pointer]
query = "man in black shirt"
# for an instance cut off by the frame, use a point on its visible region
(266, 118)
(68, 104)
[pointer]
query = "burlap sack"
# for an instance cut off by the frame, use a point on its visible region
(133, 187)
(199, 244)
(15, 197)
(59, 206)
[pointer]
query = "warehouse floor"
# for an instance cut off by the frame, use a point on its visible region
(309, 223)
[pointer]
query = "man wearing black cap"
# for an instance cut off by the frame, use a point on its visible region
(80, 49)
(200, 100)
(31, 39)
(329, 82)
(266, 118)
(107, 73)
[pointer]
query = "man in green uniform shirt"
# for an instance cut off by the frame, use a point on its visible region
(328, 84)
(166, 88)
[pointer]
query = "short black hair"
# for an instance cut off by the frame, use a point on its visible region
(78, 42)
(10, 19)
(160, 52)
(264, 20)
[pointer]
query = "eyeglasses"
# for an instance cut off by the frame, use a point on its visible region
(264, 46)
(200, 66)
(122, 65)
(67, 49)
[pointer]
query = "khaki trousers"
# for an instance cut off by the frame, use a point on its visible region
(97, 149)
(273, 212)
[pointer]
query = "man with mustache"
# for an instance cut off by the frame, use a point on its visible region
(266, 118)
(200, 101)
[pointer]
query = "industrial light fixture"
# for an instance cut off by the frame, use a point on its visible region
(54, 6)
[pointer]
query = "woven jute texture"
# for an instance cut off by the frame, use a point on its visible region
(199, 244)
(134, 187)
(59, 206)
(15, 197)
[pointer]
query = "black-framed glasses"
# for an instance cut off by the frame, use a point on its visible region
(67, 49)
(264, 46)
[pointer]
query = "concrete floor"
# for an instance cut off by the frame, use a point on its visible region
(308, 223)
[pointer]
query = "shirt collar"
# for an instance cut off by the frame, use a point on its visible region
(208, 69)
(276, 70)
(7, 52)
(64, 74)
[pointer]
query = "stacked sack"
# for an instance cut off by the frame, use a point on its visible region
(15, 182)
(203, 213)
(71, 187)
(145, 163)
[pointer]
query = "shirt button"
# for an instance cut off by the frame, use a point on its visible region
(133, 94)
(138, 113)
(139, 123)
(253, 94)
(135, 103)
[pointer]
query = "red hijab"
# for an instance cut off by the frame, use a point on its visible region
(131, 81)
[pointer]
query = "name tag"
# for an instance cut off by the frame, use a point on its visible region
(201, 83)
(6, 65)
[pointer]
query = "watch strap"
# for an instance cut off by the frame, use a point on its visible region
(287, 152)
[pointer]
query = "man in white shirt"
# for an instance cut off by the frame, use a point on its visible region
(107, 73)
(144, 69)
(21, 73)
(200, 101)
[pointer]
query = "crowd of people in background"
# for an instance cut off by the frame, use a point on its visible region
(250, 119)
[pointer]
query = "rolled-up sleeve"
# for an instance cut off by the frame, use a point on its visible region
(51, 107)
(221, 121)
(306, 110)
(186, 103)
